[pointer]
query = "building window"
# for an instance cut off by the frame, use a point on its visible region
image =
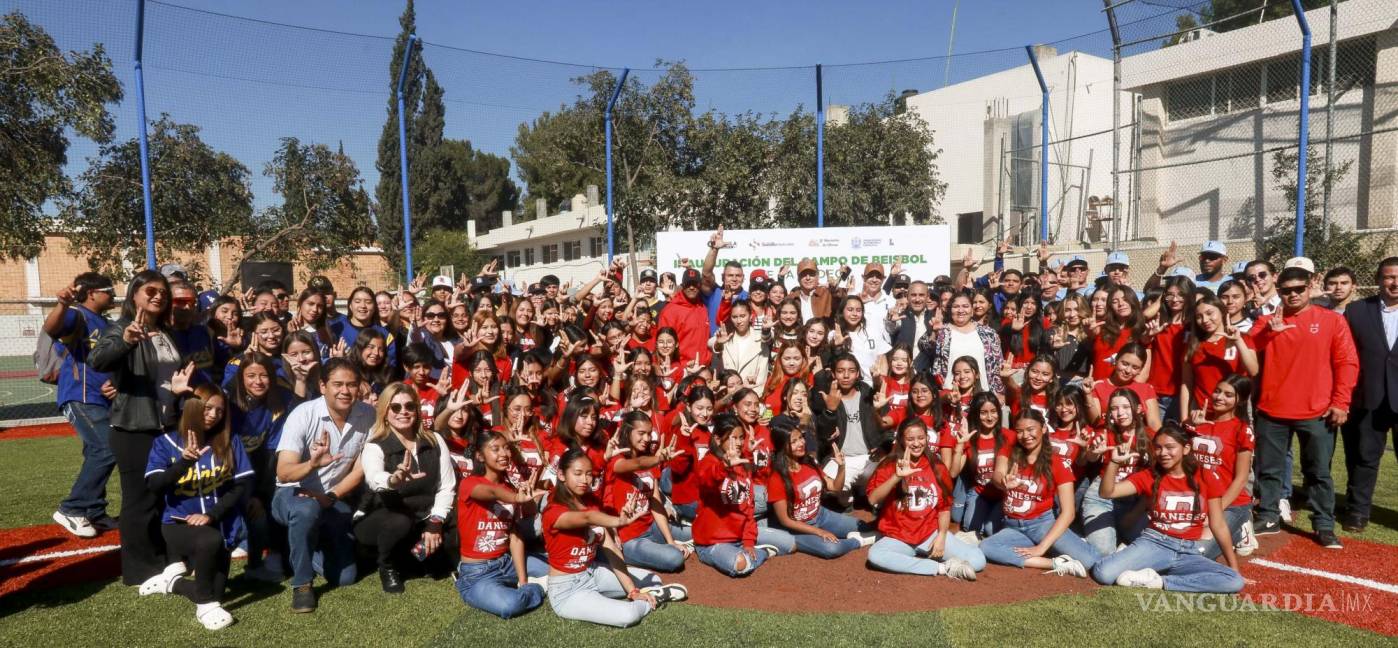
(551, 253)
(1283, 75)
(529, 256)
(969, 227)
(572, 250)
(597, 246)
(512, 259)
(1189, 98)
(1245, 88)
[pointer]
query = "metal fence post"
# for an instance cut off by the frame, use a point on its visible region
(1329, 122)
(1304, 132)
(403, 159)
(607, 119)
(1043, 145)
(145, 146)
(820, 149)
(1116, 124)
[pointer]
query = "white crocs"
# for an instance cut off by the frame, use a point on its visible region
(213, 616)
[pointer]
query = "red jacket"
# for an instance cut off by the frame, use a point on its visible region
(691, 321)
(1307, 368)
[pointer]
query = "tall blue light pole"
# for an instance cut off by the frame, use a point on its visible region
(145, 146)
(1043, 144)
(607, 119)
(403, 159)
(1304, 136)
(820, 149)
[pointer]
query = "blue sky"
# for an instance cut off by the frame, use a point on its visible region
(248, 83)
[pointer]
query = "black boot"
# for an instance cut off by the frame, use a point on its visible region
(392, 580)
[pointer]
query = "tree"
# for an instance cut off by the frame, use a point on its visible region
(43, 93)
(199, 196)
(1335, 247)
(457, 183)
(1236, 14)
(324, 214)
(441, 247)
(425, 119)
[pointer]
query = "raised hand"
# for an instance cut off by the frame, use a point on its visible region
(192, 451)
(1058, 337)
(614, 446)
(135, 332)
(1002, 247)
(1123, 454)
(443, 385)
(716, 239)
(1012, 480)
(1276, 323)
(969, 261)
(234, 338)
(668, 451)
(1042, 253)
(338, 351)
(1169, 258)
(179, 382)
(404, 473)
(320, 451)
(694, 366)
(1007, 369)
(905, 468)
(837, 455)
(881, 400)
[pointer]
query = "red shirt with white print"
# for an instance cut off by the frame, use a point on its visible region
(1138, 462)
(1216, 446)
(909, 514)
(725, 504)
(1178, 511)
(981, 453)
(1210, 364)
(1103, 391)
(758, 449)
(807, 485)
(1165, 352)
(689, 449)
(484, 527)
(621, 488)
(570, 550)
(897, 392)
(1033, 495)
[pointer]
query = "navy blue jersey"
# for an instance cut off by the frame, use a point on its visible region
(77, 333)
(203, 484)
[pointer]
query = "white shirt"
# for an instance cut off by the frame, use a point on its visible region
(867, 344)
(376, 475)
(966, 344)
(307, 422)
(1271, 305)
(876, 309)
(1390, 323)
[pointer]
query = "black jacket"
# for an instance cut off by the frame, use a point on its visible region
(904, 331)
(1378, 363)
(132, 371)
(830, 424)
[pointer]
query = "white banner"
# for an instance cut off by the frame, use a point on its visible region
(924, 250)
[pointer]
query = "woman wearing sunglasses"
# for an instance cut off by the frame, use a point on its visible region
(141, 357)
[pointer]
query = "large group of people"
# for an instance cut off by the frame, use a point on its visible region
(571, 444)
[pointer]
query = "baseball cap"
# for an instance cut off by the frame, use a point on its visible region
(647, 275)
(691, 276)
(1055, 264)
(901, 280)
(173, 271)
(1240, 267)
(1300, 262)
(873, 269)
(1180, 271)
(1213, 247)
(1118, 258)
(1076, 259)
(549, 280)
(536, 289)
(759, 280)
(207, 299)
(478, 283)
(442, 281)
(806, 265)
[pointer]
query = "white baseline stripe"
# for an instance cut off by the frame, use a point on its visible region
(58, 554)
(1343, 578)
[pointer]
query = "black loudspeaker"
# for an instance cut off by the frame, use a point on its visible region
(256, 272)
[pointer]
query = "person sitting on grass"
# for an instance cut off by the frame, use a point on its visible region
(491, 576)
(794, 491)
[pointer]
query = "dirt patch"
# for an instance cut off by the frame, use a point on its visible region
(36, 431)
(62, 559)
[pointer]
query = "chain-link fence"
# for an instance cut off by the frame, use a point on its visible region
(1168, 120)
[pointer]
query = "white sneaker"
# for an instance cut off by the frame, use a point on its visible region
(1067, 566)
(213, 616)
(75, 524)
(1147, 578)
(1285, 507)
(1247, 541)
(541, 581)
(238, 554)
(957, 569)
(771, 550)
(668, 592)
(686, 543)
(163, 582)
(968, 537)
(865, 539)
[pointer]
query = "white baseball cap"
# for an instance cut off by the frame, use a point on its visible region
(1300, 262)
(1118, 258)
(1214, 247)
(442, 281)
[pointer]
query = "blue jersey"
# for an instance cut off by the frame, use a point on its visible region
(77, 334)
(712, 303)
(199, 489)
(197, 346)
(260, 427)
(342, 329)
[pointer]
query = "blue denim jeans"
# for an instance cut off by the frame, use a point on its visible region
(897, 556)
(724, 558)
(1235, 517)
(759, 502)
(981, 514)
(650, 551)
(1000, 548)
(492, 586)
(88, 498)
(1180, 562)
(1102, 519)
(1274, 474)
(318, 539)
(596, 596)
(838, 524)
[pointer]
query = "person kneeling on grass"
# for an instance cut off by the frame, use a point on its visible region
(1169, 554)
(574, 530)
(203, 473)
(912, 491)
(1032, 478)
(794, 492)
(489, 579)
(726, 536)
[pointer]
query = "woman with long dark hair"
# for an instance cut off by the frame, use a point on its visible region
(794, 491)
(257, 410)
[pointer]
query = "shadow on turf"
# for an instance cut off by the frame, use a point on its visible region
(64, 586)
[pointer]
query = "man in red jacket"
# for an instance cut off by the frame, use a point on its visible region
(1309, 371)
(687, 314)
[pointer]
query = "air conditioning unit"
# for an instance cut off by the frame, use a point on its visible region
(1197, 34)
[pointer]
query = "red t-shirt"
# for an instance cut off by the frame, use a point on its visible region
(427, 396)
(484, 527)
(807, 485)
(1165, 352)
(1139, 462)
(758, 450)
(1033, 495)
(982, 458)
(1211, 363)
(1104, 355)
(570, 550)
(1177, 511)
(725, 504)
(620, 488)
(943, 437)
(1037, 402)
(1216, 446)
(910, 514)
(1103, 391)
(1063, 448)
(897, 392)
(684, 487)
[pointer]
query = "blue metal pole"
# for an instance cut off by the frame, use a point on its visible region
(1304, 136)
(607, 118)
(820, 149)
(145, 146)
(1043, 145)
(403, 160)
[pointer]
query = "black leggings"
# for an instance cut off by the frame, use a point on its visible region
(142, 546)
(392, 533)
(202, 549)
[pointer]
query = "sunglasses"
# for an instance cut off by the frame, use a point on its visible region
(152, 291)
(397, 408)
(109, 290)
(1254, 278)
(1291, 290)
(434, 315)
(282, 296)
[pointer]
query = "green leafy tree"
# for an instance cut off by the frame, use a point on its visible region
(43, 93)
(324, 213)
(1237, 14)
(1330, 246)
(441, 247)
(458, 183)
(198, 195)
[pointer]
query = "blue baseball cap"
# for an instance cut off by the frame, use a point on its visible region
(1118, 258)
(206, 299)
(1075, 260)
(1055, 264)
(1214, 247)
(1180, 271)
